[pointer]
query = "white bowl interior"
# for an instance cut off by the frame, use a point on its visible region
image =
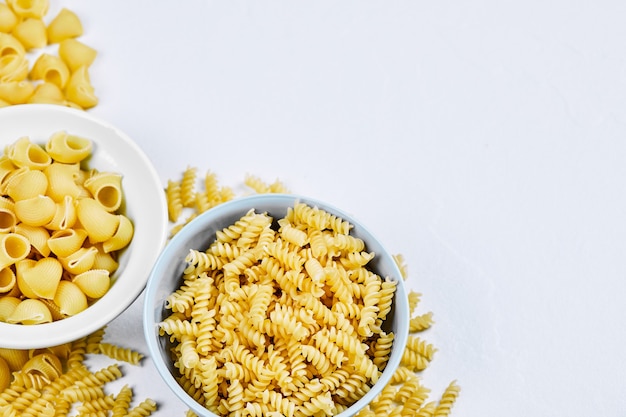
(144, 203)
(166, 277)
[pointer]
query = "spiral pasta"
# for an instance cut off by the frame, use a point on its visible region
(274, 332)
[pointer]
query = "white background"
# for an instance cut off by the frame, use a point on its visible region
(484, 140)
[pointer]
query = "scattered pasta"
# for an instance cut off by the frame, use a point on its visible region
(61, 229)
(52, 381)
(23, 31)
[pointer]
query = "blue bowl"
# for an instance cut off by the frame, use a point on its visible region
(166, 277)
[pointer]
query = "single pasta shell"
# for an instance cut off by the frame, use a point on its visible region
(104, 260)
(62, 180)
(45, 364)
(65, 25)
(16, 92)
(36, 9)
(94, 283)
(7, 280)
(24, 153)
(64, 216)
(66, 148)
(27, 184)
(122, 237)
(99, 224)
(15, 358)
(13, 68)
(31, 33)
(30, 311)
(63, 243)
(106, 189)
(47, 93)
(40, 277)
(70, 299)
(37, 236)
(36, 211)
(6, 166)
(80, 261)
(13, 248)
(7, 306)
(7, 220)
(51, 69)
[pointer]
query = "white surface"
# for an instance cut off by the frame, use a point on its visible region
(485, 140)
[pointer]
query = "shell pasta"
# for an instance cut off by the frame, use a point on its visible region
(60, 229)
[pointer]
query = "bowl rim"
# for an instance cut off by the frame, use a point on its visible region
(242, 205)
(137, 269)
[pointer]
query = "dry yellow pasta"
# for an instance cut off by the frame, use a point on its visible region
(23, 30)
(52, 381)
(266, 320)
(61, 230)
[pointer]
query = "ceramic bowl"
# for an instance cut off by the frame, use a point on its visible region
(144, 203)
(165, 278)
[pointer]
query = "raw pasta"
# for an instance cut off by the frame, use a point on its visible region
(283, 349)
(54, 380)
(61, 230)
(23, 30)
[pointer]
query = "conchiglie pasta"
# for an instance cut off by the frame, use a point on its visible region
(80, 261)
(94, 283)
(106, 189)
(8, 20)
(15, 358)
(70, 299)
(62, 181)
(50, 68)
(79, 89)
(30, 311)
(60, 229)
(29, 8)
(64, 215)
(16, 92)
(31, 33)
(65, 25)
(63, 243)
(47, 93)
(13, 67)
(13, 248)
(99, 224)
(66, 148)
(76, 54)
(26, 184)
(7, 281)
(45, 364)
(39, 279)
(122, 237)
(7, 220)
(9, 45)
(37, 236)
(24, 153)
(36, 211)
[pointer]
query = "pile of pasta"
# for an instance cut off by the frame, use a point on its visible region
(404, 395)
(55, 381)
(60, 229)
(61, 78)
(287, 320)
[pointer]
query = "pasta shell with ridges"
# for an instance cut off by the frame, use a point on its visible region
(45, 364)
(94, 283)
(37, 236)
(70, 299)
(66, 148)
(64, 216)
(13, 248)
(30, 312)
(7, 280)
(7, 306)
(28, 183)
(63, 243)
(80, 261)
(42, 277)
(122, 237)
(99, 224)
(24, 153)
(36, 211)
(63, 181)
(7, 220)
(106, 189)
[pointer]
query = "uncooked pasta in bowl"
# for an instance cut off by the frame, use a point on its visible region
(276, 304)
(82, 220)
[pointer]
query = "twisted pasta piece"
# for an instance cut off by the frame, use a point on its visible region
(448, 398)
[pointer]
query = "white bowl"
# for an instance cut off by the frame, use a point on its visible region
(166, 277)
(145, 205)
